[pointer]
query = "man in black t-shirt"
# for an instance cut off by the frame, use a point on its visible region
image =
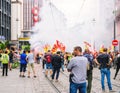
(104, 61)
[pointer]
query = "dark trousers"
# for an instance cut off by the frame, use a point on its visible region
(43, 64)
(117, 70)
(5, 68)
(22, 67)
(56, 69)
(89, 79)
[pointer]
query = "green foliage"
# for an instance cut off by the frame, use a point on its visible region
(26, 47)
(15, 65)
(3, 45)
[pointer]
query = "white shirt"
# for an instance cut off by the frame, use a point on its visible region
(30, 58)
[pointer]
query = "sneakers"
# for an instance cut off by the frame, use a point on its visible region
(112, 91)
(23, 76)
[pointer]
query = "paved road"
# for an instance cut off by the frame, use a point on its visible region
(14, 84)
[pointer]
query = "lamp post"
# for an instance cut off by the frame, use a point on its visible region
(92, 36)
(114, 30)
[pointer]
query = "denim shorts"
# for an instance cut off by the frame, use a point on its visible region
(48, 65)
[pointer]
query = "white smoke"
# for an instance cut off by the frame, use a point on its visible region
(93, 24)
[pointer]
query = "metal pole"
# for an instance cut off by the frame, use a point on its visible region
(114, 24)
(114, 34)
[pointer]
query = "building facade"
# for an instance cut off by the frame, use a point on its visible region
(5, 19)
(28, 21)
(16, 19)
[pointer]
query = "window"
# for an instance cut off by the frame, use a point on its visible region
(0, 3)
(0, 18)
(25, 34)
(5, 21)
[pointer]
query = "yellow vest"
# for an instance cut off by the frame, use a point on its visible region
(5, 58)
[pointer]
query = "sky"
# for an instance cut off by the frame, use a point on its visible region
(78, 11)
(71, 9)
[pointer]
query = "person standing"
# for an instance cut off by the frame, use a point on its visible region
(11, 60)
(78, 68)
(23, 64)
(89, 56)
(104, 61)
(30, 59)
(5, 60)
(38, 59)
(118, 66)
(56, 63)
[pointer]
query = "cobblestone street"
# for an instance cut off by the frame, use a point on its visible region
(14, 84)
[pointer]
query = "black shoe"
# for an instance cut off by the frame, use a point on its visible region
(20, 75)
(28, 76)
(35, 76)
(6, 75)
(23, 76)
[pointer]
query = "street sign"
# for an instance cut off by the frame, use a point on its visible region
(115, 42)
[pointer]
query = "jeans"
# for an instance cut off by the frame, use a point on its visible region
(54, 71)
(62, 65)
(105, 71)
(74, 87)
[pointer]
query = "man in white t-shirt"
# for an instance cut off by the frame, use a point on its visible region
(30, 59)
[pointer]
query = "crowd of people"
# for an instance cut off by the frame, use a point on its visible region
(80, 65)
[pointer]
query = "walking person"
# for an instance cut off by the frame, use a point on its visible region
(89, 56)
(78, 68)
(104, 61)
(11, 60)
(48, 59)
(23, 64)
(5, 61)
(62, 61)
(56, 63)
(30, 59)
(118, 66)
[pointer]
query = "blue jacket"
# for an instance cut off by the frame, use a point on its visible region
(23, 58)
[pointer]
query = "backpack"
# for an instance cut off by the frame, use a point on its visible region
(48, 59)
(90, 59)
